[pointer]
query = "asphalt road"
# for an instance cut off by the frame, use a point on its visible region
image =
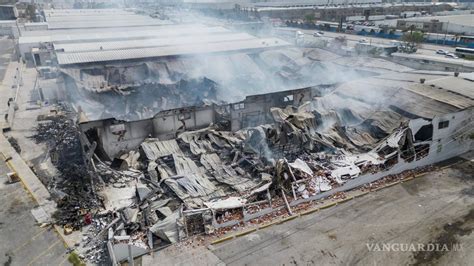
(426, 49)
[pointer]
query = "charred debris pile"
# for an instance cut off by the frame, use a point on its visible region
(210, 181)
(206, 181)
(73, 187)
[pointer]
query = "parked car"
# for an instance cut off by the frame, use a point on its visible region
(451, 55)
(299, 34)
(317, 34)
(443, 52)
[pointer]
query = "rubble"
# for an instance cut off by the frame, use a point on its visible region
(210, 181)
(73, 187)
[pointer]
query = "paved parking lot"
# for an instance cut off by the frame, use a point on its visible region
(22, 242)
(6, 49)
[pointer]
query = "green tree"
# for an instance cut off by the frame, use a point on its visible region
(30, 11)
(413, 37)
(309, 18)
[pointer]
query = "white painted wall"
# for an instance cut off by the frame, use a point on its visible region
(135, 133)
(167, 123)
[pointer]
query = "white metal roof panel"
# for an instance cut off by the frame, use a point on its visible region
(126, 35)
(155, 42)
(127, 54)
(112, 29)
(104, 24)
(100, 17)
(83, 12)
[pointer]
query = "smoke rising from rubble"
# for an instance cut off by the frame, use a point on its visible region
(140, 90)
(147, 96)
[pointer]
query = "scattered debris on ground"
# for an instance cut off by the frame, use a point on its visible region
(14, 142)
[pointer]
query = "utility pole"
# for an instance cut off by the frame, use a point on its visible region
(446, 33)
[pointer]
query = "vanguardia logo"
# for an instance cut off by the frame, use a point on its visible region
(413, 247)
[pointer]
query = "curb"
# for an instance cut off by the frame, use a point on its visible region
(57, 228)
(10, 165)
(28, 190)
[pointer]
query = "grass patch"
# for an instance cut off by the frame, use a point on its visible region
(75, 260)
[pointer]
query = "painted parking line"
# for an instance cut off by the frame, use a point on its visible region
(29, 240)
(44, 252)
(66, 257)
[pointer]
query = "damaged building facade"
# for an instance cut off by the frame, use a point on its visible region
(197, 129)
(266, 155)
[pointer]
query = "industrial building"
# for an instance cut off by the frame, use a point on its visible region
(101, 35)
(122, 59)
(337, 12)
(8, 12)
(460, 24)
(413, 125)
(152, 132)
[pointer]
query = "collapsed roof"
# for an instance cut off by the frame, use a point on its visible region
(236, 75)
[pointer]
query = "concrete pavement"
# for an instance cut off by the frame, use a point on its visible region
(28, 178)
(8, 77)
(22, 241)
(413, 212)
(418, 211)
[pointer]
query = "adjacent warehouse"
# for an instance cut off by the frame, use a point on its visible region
(337, 11)
(8, 12)
(460, 24)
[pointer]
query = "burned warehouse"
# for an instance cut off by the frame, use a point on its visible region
(156, 127)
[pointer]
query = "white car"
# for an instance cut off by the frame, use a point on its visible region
(451, 55)
(444, 52)
(317, 34)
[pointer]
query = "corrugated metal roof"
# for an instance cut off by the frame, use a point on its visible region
(104, 24)
(100, 17)
(116, 55)
(155, 42)
(83, 12)
(99, 30)
(126, 35)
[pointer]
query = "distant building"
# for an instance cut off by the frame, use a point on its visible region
(434, 25)
(8, 12)
(456, 24)
(9, 28)
(337, 12)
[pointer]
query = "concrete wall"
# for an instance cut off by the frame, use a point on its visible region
(255, 109)
(114, 143)
(35, 26)
(115, 137)
(458, 28)
(118, 136)
(167, 124)
(9, 28)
